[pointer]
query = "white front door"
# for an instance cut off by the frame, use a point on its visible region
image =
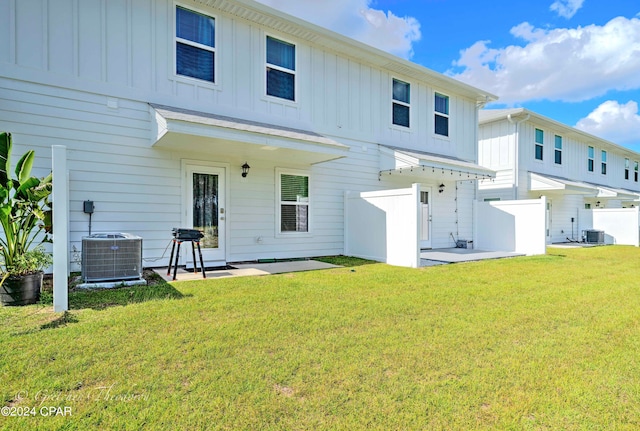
(425, 218)
(206, 212)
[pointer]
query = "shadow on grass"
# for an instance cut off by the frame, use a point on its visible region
(63, 320)
(346, 261)
(99, 299)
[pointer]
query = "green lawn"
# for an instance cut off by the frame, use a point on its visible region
(533, 343)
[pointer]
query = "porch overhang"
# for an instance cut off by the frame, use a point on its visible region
(618, 194)
(548, 183)
(397, 161)
(194, 131)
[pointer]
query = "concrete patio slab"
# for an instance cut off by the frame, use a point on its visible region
(573, 245)
(247, 269)
(457, 255)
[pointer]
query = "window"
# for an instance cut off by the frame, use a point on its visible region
(590, 161)
(587, 206)
(626, 169)
(281, 69)
(539, 144)
(294, 202)
(442, 114)
(558, 150)
(604, 162)
(635, 171)
(195, 45)
(401, 100)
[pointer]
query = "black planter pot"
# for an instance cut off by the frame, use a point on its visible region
(21, 289)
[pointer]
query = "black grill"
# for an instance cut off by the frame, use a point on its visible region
(187, 234)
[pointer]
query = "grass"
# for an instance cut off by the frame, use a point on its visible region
(533, 343)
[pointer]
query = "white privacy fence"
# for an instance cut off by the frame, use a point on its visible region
(620, 225)
(383, 226)
(513, 226)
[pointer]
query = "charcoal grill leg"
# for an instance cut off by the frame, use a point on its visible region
(175, 266)
(173, 248)
(204, 275)
(193, 253)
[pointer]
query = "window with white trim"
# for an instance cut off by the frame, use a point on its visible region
(293, 198)
(281, 69)
(441, 120)
(590, 159)
(195, 45)
(539, 144)
(603, 166)
(626, 169)
(558, 150)
(401, 108)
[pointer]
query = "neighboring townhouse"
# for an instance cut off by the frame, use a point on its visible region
(536, 156)
(233, 118)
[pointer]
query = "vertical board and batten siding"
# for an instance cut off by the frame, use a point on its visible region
(574, 158)
(62, 65)
(496, 150)
(125, 48)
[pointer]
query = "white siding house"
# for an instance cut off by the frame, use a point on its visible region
(160, 103)
(535, 156)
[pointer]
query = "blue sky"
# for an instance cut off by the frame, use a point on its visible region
(575, 61)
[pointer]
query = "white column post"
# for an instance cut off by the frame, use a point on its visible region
(60, 200)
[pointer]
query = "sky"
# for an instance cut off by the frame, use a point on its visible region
(575, 61)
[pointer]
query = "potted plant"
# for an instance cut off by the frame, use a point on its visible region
(25, 216)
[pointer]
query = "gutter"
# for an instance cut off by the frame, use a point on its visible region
(516, 165)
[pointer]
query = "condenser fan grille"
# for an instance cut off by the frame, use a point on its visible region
(112, 256)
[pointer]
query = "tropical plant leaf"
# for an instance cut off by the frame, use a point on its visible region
(5, 157)
(24, 188)
(23, 168)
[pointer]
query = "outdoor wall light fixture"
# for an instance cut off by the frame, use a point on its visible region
(245, 170)
(440, 188)
(598, 204)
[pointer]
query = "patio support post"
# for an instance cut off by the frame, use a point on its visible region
(60, 200)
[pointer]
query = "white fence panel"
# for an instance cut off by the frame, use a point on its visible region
(620, 225)
(515, 226)
(383, 226)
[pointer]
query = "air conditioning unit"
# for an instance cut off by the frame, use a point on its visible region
(592, 236)
(111, 256)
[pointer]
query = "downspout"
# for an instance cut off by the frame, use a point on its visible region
(516, 164)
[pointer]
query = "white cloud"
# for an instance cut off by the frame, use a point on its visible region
(566, 8)
(560, 64)
(614, 122)
(354, 18)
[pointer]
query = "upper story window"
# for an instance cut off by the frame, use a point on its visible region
(293, 198)
(195, 45)
(626, 169)
(603, 167)
(558, 150)
(539, 144)
(635, 171)
(401, 101)
(590, 159)
(281, 69)
(442, 114)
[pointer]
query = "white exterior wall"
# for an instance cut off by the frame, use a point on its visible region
(497, 151)
(126, 50)
(81, 74)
